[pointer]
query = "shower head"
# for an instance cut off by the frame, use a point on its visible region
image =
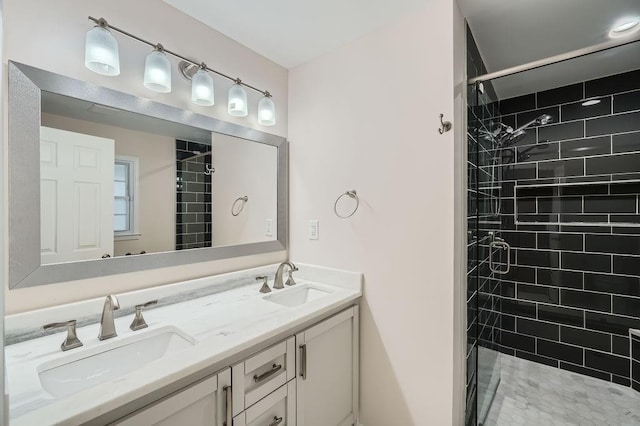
(539, 121)
(544, 119)
(516, 137)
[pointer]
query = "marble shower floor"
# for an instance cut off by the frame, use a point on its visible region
(533, 394)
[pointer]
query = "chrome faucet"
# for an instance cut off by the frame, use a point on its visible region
(107, 326)
(277, 283)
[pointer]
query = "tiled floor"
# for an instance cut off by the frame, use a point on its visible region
(533, 394)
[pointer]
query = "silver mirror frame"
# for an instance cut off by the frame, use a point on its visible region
(24, 117)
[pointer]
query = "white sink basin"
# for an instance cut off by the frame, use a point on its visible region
(296, 296)
(109, 360)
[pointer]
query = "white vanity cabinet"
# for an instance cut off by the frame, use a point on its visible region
(310, 379)
(327, 366)
(204, 403)
(319, 388)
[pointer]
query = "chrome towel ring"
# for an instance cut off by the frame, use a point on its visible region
(351, 194)
(243, 201)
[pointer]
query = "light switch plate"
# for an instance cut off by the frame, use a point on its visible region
(314, 233)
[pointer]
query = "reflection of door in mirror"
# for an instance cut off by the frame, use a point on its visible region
(76, 201)
(143, 215)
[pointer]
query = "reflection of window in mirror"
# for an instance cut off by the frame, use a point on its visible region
(125, 198)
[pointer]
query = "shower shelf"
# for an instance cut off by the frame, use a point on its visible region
(595, 204)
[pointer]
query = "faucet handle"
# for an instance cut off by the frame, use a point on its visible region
(138, 321)
(290, 280)
(72, 340)
(265, 287)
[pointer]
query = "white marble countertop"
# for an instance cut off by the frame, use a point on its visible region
(220, 325)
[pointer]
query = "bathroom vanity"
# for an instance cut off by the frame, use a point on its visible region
(221, 350)
(216, 351)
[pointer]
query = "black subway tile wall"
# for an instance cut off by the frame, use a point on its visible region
(193, 196)
(570, 209)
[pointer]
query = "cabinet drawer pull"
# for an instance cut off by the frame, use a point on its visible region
(276, 421)
(303, 362)
(229, 413)
(263, 376)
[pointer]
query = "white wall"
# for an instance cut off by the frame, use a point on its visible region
(4, 406)
(51, 35)
(243, 168)
(157, 180)
(460, 210)
(365, 117)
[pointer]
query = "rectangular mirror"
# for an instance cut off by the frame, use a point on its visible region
(126, 184)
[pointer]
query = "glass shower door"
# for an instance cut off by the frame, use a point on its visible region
(488, 209)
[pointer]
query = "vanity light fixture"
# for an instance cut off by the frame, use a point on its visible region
(157, 71)
(266, 111)
(237, 103)
(202, 87)
(625, 27)
(101, 50)
(101, 56)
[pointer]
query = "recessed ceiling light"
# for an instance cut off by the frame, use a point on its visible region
(625, 27)
(591, 102)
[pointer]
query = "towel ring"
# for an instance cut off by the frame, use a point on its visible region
(352, 194)
(243, 201)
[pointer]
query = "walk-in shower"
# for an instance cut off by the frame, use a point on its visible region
(554, 172)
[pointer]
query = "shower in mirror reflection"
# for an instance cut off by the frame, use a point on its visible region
(503, 136)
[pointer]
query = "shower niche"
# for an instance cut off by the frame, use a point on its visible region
(610, 204)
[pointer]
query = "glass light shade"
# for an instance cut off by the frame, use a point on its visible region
(101, 52)
(202, 88)
(237, 101)
(157, 72)
(266, 111)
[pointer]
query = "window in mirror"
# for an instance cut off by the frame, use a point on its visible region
(125, 197)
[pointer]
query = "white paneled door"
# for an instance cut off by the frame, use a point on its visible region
(76, 196)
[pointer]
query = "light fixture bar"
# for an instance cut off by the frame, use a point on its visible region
(103, 23)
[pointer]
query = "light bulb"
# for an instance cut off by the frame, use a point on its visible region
(266, 111)
(237, 105)
(157, 71)
(625, 27)
(101, 52)
(202, 92)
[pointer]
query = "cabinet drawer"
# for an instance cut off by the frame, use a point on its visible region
(276, 409)
(261, 374)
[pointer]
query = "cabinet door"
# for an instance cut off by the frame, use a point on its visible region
(327, 372)
(204, 403)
